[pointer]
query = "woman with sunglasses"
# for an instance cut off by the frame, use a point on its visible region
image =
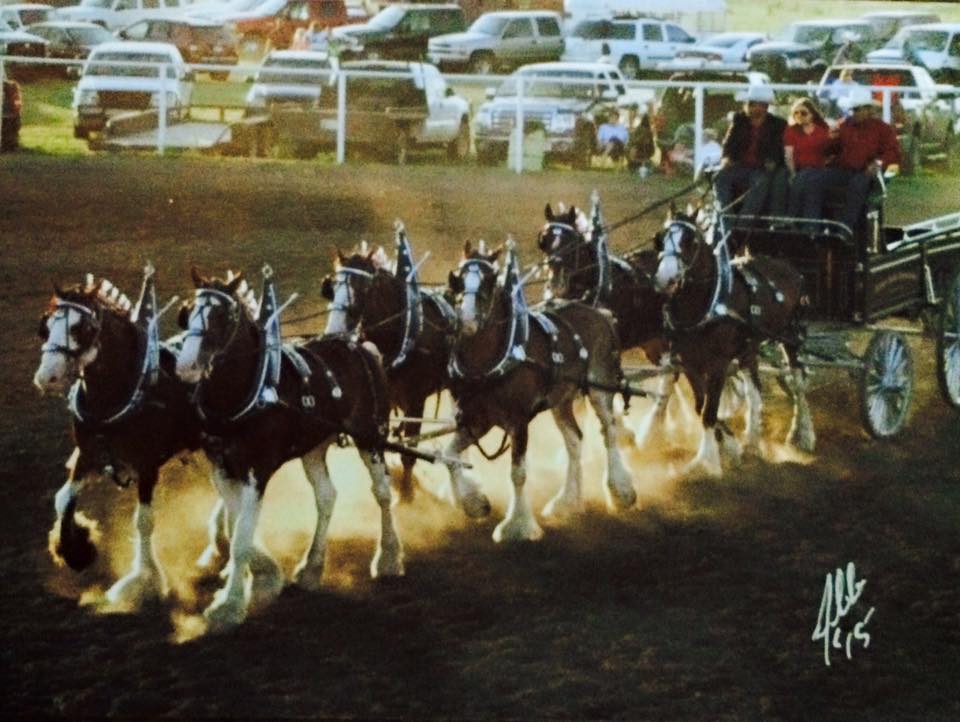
(807, 143)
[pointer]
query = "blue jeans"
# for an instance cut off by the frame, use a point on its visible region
(806, 193)
(855, 184)
(765, 190)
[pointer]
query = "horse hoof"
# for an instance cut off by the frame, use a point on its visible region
(699, 469)
(476, 506)
(384, 566)
(508, 531)
(803, 442)
(623, 500)
(133, 590)
(563, 507)
(309, 578)
(224, 614)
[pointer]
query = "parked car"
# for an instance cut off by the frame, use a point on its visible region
(200, 41)
(937, 48)
(110, 84)
(272, 25)
(393, 115)
(633, 45)
(400, 31)
(500, 40)
(21, 15)
(888, 23)
(70, 40)
(925, 118)
(726, 51)
(12, 110)
(803, 50)
(20, 43)
(115, 14)
(565, 99)
(290, 76)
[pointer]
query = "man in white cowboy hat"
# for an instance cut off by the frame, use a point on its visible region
(865, 144)
(753, 158)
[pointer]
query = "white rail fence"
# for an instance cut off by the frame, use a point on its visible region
(639, 91)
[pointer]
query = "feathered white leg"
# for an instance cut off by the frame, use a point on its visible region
(309, 571)
(388, 559)
(569, 500)
(519, 523)
(620, 491)
(145, 580)
(466, 492)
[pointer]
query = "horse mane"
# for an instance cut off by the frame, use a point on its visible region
(109, 295)
(246, 296)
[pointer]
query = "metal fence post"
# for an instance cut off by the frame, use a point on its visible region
(3, 77)
(162, 111)
(887, 113)
(341, 116)
(697, 127)
(518, 129)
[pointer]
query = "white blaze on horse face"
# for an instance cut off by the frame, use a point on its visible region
(468, 307)
(53, 373)
(337, 321)
(189, 368)
(668, 270)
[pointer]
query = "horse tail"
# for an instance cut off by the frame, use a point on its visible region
(72, 539)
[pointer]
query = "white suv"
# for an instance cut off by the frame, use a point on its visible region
(124, 76)
(116, 14)
(632, 44)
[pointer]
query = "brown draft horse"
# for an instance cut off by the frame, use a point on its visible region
(509, 364)
(412, 328)
(722, 310)
(130, 415)
(263, 403)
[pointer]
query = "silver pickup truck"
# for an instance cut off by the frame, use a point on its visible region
(392, 108)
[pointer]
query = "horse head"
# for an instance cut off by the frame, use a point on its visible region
(71, 331)
(571, 252)
(473, 286)
(347, 287)
(678, 246)
(212, 319)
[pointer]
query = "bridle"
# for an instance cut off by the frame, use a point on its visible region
(672, 248)
(62, 310)
(341, 280)
(474, 268)
(203, 305)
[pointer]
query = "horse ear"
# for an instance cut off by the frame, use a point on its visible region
(690, 210)
(496, 254)
(548, 212)
(198, 280)
(467, 249)
(454, 282)
(326, 288)
(183, 315)
(57, 291)
(235, 282)
(340, 259)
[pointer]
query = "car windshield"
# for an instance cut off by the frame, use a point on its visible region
(549, 84)
(278, 70)
(927, 40)
(488, 25)
(723, 41)
(89, 36)
(896, 42)
(95, 3)
(808, 34)
(134, 65)
(591, 30)
(387, 18)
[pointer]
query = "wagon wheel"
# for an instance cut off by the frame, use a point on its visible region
(948, 345)
(886, 384)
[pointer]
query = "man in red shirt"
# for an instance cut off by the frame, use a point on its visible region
(866, 144)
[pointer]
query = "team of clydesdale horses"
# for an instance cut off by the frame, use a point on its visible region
(232, 387)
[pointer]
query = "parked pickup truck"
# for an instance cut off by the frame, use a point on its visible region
(411, 108)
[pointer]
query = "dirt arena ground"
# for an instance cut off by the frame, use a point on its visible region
(698, 604)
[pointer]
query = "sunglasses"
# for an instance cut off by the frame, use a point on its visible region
(801, 112)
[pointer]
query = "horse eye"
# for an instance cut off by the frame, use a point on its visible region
(455, 282)
(85, 334)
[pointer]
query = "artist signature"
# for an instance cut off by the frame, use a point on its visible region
(841, 592)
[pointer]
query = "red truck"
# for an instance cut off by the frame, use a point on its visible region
(258, 34)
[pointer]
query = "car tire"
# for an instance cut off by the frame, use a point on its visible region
(459, 147)
(630, 67)
(481, 63)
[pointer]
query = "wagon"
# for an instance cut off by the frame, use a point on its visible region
(860, 281)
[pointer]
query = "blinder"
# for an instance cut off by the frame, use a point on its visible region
(326, 288)
(85, 335)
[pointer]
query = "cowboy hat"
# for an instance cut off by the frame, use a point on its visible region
(857, 98)
(756, 93)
